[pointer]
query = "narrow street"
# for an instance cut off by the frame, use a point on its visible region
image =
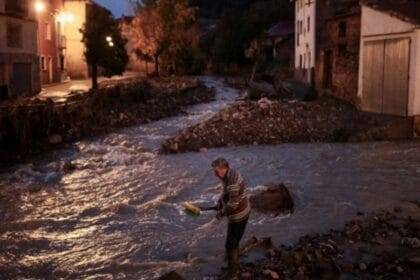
(60, 92)
(119, 215)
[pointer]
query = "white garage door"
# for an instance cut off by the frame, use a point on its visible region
(385, 76)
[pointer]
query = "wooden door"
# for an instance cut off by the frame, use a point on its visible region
(328, 65)
(385, 76)
(373, 72)
(3, 82)
(22, 79)
(50, 70)
(396, 73)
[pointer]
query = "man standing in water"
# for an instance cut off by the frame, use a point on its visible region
(234, 204)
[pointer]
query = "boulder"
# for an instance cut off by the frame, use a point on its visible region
(300, 91)
(275, 198)
(255, 244)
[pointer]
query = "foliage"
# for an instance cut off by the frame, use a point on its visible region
(99, 25)
(238, 28)
(164, 30)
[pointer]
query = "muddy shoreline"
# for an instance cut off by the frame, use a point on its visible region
(36, 126)
(381, 245)
(384, 245)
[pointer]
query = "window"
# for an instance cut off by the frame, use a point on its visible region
(16, 7)
(309, 59)
(304, 60)
(309, 24)
(43, 63)
(342, 29)
(48, 31)
(14, 35)
(300, 61)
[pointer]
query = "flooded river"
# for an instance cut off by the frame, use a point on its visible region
(118, 215)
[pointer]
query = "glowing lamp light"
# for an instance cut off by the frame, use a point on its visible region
(69, 17)
(108, 39)
(64, 17)
(111, 44)
(39, 6)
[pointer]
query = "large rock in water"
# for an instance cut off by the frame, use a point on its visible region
(275, 198)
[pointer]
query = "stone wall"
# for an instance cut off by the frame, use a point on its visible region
(344, 59)
(37, 125)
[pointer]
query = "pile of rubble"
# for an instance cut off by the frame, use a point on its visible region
(34, 125)
(382, 246)
(284, 121)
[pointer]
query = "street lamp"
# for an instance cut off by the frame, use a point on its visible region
(108, 39)
(111, 44)
(39, 6)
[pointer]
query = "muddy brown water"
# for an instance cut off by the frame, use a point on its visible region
(118, 215)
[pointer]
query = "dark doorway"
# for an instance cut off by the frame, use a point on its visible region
(22, 79)
(328, 65)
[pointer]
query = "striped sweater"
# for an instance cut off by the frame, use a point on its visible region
(234, 202)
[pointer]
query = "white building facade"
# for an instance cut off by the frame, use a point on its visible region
(305, 41)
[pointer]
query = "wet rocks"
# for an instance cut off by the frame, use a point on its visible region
(123, 209)
(69, 166)
(275, 198)
(173, 275)
(352, 252)
(255, 243)
(272, 122)
(411, 242)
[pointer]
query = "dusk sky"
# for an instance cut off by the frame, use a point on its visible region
(117, 7)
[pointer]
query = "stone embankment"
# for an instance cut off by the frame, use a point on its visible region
(34, 125)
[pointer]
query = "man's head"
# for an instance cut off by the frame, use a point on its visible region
(220, 167)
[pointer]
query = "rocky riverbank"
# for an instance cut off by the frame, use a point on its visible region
(385, 245)
(288, 121)
(37, 125)
(381, 246)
